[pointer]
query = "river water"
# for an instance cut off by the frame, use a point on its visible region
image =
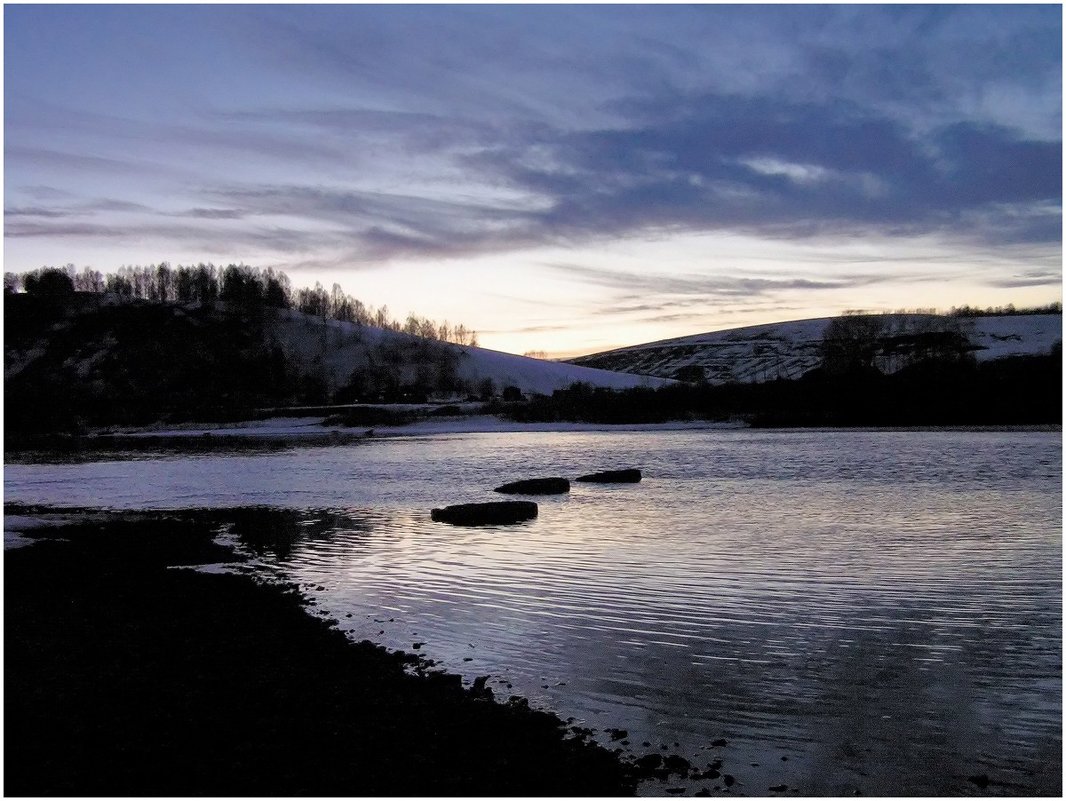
(850, 611)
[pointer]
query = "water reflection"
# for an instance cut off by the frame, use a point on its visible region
(265, 530)
(871, 611)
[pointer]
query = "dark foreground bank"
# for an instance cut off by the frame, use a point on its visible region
(125, 677)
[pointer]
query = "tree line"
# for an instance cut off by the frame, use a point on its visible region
(249, 288)
(967, 310)
(1018, 390)
(1005, 311)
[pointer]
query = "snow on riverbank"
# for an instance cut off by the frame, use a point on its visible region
(488, 424)
(313, 428)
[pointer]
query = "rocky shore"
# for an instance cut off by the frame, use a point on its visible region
(125, 677)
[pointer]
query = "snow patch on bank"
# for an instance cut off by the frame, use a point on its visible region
(488, 424)
(308, 428)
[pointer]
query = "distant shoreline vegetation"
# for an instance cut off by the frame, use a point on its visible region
(247, 288)
(1013, 391)
(1010, 310)
(146, 345)
(906, 368)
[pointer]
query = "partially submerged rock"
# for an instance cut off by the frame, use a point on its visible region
(485, 514)
(536, 486)
(631, 476)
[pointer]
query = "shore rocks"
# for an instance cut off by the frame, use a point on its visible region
(485, 514)
(649, 762)
(536, 486)
(676, 764)
(631, 476)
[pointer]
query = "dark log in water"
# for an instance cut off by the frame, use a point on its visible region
(485, 514)
(536, 486)
(613, 477)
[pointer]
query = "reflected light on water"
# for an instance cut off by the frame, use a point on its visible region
(870, 611)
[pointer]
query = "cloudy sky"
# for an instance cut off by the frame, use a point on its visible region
(561, 178)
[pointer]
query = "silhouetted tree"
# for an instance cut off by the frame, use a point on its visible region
(381, 317)
(120, 286)
(50, 284)
(206, 283)
(692, 373)
(850, 342)
(276, 294)
(89, 280)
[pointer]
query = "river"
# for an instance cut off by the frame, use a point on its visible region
(849, 611)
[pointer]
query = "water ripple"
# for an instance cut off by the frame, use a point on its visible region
(822, 596)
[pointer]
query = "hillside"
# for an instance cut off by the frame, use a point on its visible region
(90, 360)
(788, 350)
(340, 353)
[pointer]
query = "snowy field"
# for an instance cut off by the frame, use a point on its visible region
(790, 349)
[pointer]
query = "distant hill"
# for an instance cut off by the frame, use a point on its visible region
(790, 349)
(91, 359)
(342, 352)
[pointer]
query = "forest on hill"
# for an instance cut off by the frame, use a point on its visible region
(249, 289)
(143, 346)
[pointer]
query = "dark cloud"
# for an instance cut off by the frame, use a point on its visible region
(377, 226)
(595, 124)
(192, 237)
(693, 163)
(753, 164)
(417, 132)
(530, 329)
(66, 160)
(113, 204)
(683, 163)
(1027, 278)
(700, 287)
(214, 214)
(44, 192)
(33, 211)
(19, 230)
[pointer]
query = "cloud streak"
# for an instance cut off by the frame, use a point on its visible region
(701, 286)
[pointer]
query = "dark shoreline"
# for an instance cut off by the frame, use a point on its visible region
(125, 677)
(60, 448)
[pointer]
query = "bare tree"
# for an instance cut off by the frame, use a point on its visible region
(850, 342)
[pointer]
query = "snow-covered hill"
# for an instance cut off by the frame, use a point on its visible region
(789, 349)
(333, 351)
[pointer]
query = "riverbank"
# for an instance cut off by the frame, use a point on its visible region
(127, 676)
(279, 433)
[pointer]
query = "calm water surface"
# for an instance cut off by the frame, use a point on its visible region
(852, 611)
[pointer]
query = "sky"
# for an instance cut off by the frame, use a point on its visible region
(561, 178)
